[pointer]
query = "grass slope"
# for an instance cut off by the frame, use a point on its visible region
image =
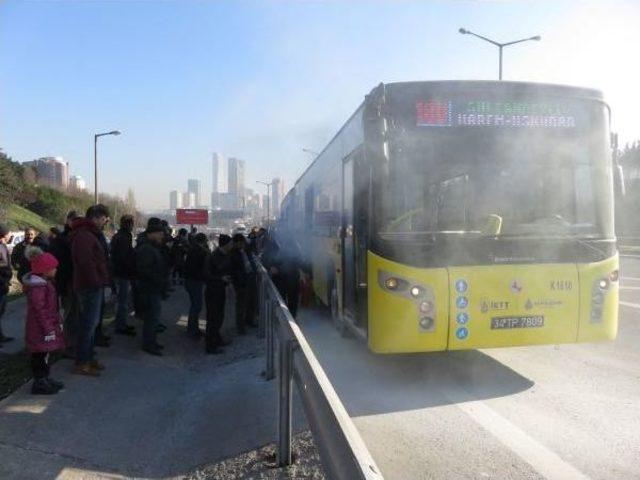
(19, 218)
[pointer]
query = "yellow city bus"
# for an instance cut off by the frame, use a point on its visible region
(453, 215)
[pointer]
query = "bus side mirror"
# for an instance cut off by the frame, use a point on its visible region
(618, 180)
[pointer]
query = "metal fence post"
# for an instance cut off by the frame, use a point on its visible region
(270, 334)
(284, 403)
(261, 306)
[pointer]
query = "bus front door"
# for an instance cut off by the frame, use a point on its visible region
(348, 244)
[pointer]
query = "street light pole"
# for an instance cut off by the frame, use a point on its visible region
(500, 46)
(268, 185)
(95, 161)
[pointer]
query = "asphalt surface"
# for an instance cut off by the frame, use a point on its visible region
(557, 412)
(145, 417)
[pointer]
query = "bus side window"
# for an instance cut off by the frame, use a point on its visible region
(452, 204)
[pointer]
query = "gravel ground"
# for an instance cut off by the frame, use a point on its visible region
(260, 464)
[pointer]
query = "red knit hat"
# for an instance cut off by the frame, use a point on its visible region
(43, 263)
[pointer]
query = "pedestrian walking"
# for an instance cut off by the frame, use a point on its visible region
(123, 268)
(43, 330)
(194, 281)
(18, 259)
(179, 251)
(6, 273)
(60, 247)
(216, 272)
(90, 277)
(151, 275)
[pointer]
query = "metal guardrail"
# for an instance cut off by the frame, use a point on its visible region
(342, 450)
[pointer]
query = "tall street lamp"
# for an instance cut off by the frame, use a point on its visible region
(268, 185)
(95, 161)
(500, 46)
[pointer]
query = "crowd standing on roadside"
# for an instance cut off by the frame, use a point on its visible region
(76, 270)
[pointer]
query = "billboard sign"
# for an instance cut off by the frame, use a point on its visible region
(192, 216)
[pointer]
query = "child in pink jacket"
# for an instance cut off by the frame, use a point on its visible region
(43, 332)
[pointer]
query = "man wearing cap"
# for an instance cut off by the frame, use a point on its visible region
(5, 277)
(151, 275)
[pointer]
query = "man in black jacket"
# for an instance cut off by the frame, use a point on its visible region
(216, 272)
(60, 247)
(18, 260)
(194, 280)
(151, 275)
(123, 268)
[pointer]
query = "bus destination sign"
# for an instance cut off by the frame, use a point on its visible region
(482, 113)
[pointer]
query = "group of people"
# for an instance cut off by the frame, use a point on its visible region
(74, 269)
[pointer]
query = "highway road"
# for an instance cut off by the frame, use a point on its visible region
(555, 412)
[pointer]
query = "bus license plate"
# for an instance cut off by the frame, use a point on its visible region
(527, 321)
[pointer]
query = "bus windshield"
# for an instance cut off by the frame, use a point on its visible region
(515, 182)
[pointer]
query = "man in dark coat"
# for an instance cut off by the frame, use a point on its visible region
(242, 272)
(5, 277)
(151, 275)
(194, 281)
(123, 268)
(60, 247)
(18, 260)
(90, 277)
(216, 273)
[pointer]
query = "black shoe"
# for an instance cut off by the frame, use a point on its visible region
(154, 350)
(195, 335)
(214, 351)
(161, 327)
(130, 327)
(56, 383)
(130, 332)
(42, 387)
(5, 339)
(224, 343)
(157, 345)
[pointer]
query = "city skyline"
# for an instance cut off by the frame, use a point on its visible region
(288, 85)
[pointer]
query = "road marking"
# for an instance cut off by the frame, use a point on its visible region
(629, 288)
(629, 304)
(633, 279)
(545, 461)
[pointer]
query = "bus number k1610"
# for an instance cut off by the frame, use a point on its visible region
(562, 285)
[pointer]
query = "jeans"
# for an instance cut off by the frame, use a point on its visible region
(122, 310)
(195, 290)
(150, 304)
(90, 312)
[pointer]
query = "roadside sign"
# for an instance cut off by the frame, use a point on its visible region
(192, 216)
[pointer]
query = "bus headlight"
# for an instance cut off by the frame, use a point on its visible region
(603, 284)
(416, 291)
(426, 307)
(426, 323)
(391, 283)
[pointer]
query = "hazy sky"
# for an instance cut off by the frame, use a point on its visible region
(262, 80)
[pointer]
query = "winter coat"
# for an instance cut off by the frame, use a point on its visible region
(122, 254)
(43, 331)
(217, 266)
(5, 269)
(90, 264)
(151, 268)
(60, 248)
(194, 266)
(18, 259)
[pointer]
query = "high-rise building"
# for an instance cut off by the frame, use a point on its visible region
(175, 200)
(77, 183)
(51, 171)
(194, 186)
(236, 180)
(277, 194)
(188, 200)
(219, 183)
